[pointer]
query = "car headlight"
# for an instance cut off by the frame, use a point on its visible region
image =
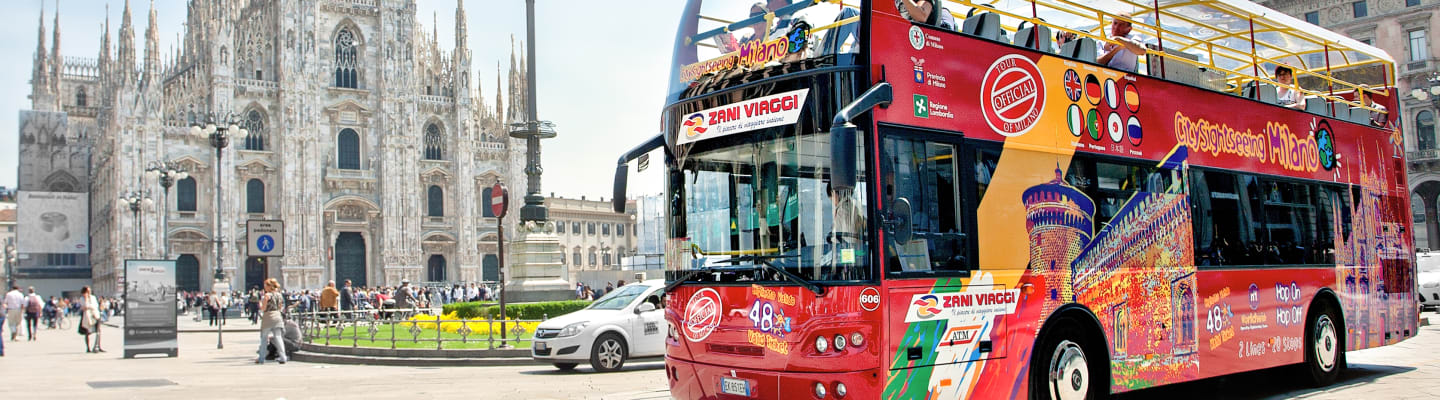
(573, 329)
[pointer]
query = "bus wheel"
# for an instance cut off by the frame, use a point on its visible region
(1324, 349)
(1063, 369)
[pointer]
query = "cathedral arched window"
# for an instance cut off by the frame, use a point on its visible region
(346, 60)
(487, 197)
(254, 196)
(255, 125)
(80, 97)
(434, 143)
(436, 197)
(185, 195)
(348, 147)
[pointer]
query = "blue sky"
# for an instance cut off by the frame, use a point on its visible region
(602, 70)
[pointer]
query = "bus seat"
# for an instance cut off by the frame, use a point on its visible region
(1315, 105)
(985, 25)
(1342, 112)
(1267, 92)
(1026, 37)
(1082, 49)
(1359, 115)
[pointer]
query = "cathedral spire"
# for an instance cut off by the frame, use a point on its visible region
(105, 47)
(499, 94)
(57, 64)
(42, 60)
(461, 33)
(126, 53)
(152, 46)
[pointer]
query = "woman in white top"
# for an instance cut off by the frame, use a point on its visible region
(90, 319)
(272, 322)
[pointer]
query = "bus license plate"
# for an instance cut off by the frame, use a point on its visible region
(739, 387)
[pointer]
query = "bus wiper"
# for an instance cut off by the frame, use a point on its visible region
(765, 261)
(685, 277)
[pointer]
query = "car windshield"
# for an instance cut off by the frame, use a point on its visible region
(619, 298)
(1428, 263)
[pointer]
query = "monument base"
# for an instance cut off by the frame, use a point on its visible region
(535, 272)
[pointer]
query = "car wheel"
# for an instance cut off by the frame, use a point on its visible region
(566, 366)
(1324, 347)
(609, 352)
(1065, 365)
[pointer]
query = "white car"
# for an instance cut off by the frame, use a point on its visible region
(625, 324)
(1427, 275)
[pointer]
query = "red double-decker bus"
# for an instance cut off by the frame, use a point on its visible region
(917, 199)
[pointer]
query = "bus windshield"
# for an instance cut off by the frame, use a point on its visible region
(723, 38)
(763, 204)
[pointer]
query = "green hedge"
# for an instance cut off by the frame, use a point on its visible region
(515, 311)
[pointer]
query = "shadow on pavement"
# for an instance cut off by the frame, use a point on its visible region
(584, 368)
(1276, 383)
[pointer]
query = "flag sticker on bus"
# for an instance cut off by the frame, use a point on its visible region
(769, 111)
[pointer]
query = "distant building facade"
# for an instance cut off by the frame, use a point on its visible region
(594, 236)
(373, 145)
(1406, 30)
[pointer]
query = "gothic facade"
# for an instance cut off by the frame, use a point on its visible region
(373, 145)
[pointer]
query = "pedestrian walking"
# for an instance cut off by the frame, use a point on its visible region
(33, 306)
(90, 319)
(347, 297)
(14, 309)
(272, 322)
(212, 305)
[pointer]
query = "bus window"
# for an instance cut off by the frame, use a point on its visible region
(986, 160)
(1279, 223)
(924, 174)
(1291, 223)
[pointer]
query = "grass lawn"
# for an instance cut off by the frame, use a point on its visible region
(404, 340)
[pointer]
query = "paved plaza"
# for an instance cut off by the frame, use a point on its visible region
(55, 367)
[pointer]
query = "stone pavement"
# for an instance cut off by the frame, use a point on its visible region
(54, 367)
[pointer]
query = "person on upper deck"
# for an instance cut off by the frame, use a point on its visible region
(926, 12)
(1123, 50)
(1287, 94)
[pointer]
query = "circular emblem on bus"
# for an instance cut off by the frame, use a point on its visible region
(870, 299)
(1012, 96)
(917, 38)
(927, 306)
(695, 125)
(1325, 145)
(702, 315)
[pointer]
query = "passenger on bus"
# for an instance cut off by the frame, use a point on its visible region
(1381, 117)
(732, 41)
(1063, 37)
(1287, 94)
(926, 12)
(1124, 49)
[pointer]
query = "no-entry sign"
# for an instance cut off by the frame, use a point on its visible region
(499, 200)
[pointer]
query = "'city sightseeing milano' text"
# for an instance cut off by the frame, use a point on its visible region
(1275, 144)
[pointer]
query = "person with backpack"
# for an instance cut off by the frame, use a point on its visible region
(33, 306)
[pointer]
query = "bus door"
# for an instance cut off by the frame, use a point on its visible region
(935, 315)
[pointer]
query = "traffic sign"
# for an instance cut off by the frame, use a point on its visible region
(266, 238)
(499, 200)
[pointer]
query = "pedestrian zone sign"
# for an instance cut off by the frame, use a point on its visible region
(266, 238)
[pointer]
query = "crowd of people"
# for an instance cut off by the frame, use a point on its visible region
(587, 292)
(36, 312)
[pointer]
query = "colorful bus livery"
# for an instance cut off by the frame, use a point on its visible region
(966, 215)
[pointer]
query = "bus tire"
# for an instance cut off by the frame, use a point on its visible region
(1067, 363)
(1324, 345)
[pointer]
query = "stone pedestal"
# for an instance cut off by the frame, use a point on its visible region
(535, 272)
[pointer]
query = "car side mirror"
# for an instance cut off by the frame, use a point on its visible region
(645, 307)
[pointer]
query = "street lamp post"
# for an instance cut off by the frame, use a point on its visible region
(1431, 93)
(167, 173)
(219, 136)
(136, 201)
(532, 130)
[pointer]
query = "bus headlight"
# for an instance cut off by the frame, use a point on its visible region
(839, 342)
(819, 390)
(840, 390)
(856, 339)
(821, 344)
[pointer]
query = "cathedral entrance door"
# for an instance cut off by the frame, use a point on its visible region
(255, 272)
(350, 258)
(187, 273)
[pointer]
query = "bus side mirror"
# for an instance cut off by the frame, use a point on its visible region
(622, 176)
(898, 222)
(842, 156)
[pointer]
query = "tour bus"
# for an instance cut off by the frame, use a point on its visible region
(950, 199)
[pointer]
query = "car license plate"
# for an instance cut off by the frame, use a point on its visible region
(540, 346)
(739, 387)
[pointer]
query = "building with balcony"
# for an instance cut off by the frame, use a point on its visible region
(1405, 29)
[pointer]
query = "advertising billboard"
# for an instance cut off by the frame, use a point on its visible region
(150, 307)
(53, 222)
